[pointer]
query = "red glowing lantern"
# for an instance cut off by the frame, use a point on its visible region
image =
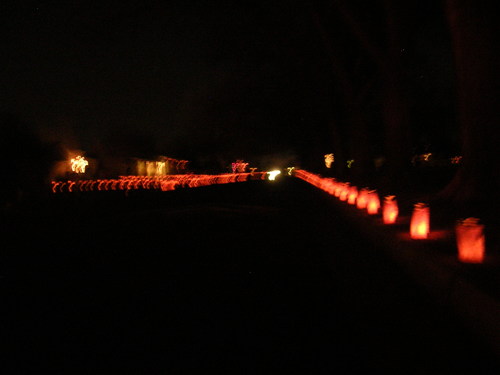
(344, 191)
(352, 195)
(372, 203)
(470, 240)
(390, 209)
(338, 189)
(329, 185)
(420, 219)
(361, 199)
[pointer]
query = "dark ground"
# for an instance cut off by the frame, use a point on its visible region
(246, 278)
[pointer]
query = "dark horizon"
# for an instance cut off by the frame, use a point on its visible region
(204, 81)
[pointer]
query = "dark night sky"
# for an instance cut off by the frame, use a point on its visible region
(178, 78)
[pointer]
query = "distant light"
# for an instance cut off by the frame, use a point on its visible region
(239, 166)
(425, 157)
(163, 183)
(329, 159)
(273, 174)
(79, 164)
(349, 163)
(160, 168)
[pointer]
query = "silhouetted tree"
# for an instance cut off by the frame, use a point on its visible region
(354, 141)
(378, 41)
(26, 162)
(474, 32)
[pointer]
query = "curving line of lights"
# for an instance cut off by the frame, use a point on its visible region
(163, 183)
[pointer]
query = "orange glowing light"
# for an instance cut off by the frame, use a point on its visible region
(239, 166)
(372, 202)
(78, 164)
(390, 210)
(329, 186)
(338, 189)
(470, 240)
(419, 224)
(362, 198)
(352, 195)
(163, 183)
(426, 157)
(344, 190)
(329, 159)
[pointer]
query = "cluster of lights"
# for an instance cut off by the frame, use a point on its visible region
(362, 198)
(329, 159)
(160, 167)
(239, 166)
(78, 164)
(469, 232)
(428, 157)
(154, 168)
(178, 164)
(163, 183)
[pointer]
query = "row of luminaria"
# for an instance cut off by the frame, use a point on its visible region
(469, 233)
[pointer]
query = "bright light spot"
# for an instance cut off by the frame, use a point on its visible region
(390, 210)
(419, 224)
(329, 159)
(349, 163)
(160, 168)
(273, 174)
(372, 202)
(79, 164)
(362, 198)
